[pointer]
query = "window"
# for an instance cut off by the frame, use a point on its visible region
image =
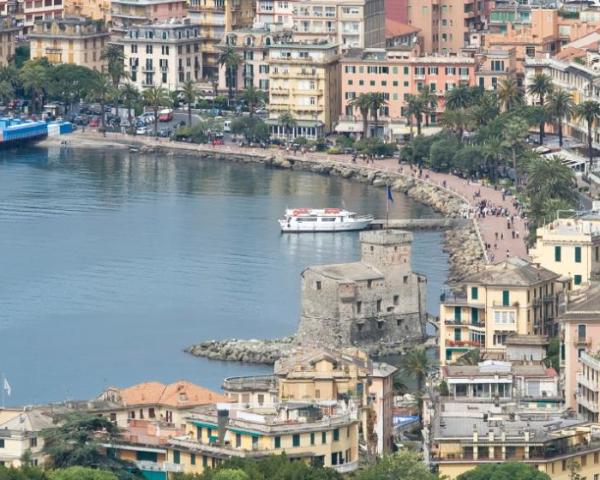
(336, 435)
(474, 293)
(379, 305)
(277, 442)
(296, 440)
(358, 307)
(577, 279)
(33, 442)
(151, 413)
(238, 440)
(396, 299)
(1, 443)
(204, 461)
(405, 279)
(557, 254)
(369, 283)
(505, 298)
(504, 318)
(577, 254)
(457, 335)
(318, 285)
(312, 438)
(323, 437)
(581, 331)
(176, 456)
(193, 458)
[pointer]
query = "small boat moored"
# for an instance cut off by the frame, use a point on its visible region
(323, 220)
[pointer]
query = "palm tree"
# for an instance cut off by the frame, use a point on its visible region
(363, 104)
(472, 357)
(589, 111)
(103, 92)
(514, 133)
(509, 93)
(459, 97)
(486, 109)
(155, 98)
(541, 85)
(253, 97)
(231, 60)
(376, 101)
(493, 152)
(456, 120)
(287, 120)
(416, 364)
(115, 62)
(415, 107)
(34, 76)
(430, 100)
(560, 107)
(189, 96)
(130, 94)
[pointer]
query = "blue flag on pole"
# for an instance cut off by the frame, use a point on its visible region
(389, 194)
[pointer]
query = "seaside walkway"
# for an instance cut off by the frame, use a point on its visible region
(494, 230)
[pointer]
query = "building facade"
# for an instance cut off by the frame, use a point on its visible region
(163, 54)
(304, 81)
(132, 13)
(72, 40)
(8, 40)
(210, 16)
(30, 11)
(94, 9)
(507, 298)
(19, 433)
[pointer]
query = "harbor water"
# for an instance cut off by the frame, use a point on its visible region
(111, 263)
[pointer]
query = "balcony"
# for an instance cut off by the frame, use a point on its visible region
(464, 343)
(147, 69)
(280, 91)
(588, 404)
(582, 342)
(586, 382)
(464, 322)
(346, 467)
(251, 383)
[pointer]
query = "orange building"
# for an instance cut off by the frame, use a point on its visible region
(397, 73)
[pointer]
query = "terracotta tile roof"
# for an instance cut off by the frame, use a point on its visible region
(180, 394)
(398, 29)
(568, 53)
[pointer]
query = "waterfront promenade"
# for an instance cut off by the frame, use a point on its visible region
(495, 232)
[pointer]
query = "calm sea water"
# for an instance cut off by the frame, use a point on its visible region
(111, 264)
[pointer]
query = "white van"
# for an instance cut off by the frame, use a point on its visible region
(227, 126)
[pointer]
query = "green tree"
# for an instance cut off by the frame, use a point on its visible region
(81, 473)
(77, 442)
(130, 96)
(415, 108)
(253, 97)
(376, 101)
(553, 355)
(155, 98)
(102, 92)
(8, 73)
(486, 109)
(25, 472)
(560, 108)
(493, 149)
(231, 474)
(514, 134)
(115, 63)
(510, 94)
(403, 465)
(7, 92)
(504, 471)
(457, 120)
(189, 94)
(416, 365)
(472, 357)
(431, 102)
(589, 111)
(459, 97)
(70, 83)
(363, 104)
(35, 76)
(540, 86)
(442, 153)
(253, 129)
(288, 122)
(231, 60)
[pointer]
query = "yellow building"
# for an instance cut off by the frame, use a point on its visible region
(19, 432)
(304, 82)
(94, 9)
(550, 444)
(511, 297)
(210, 15)
(570, 247)
(318, 435)
(8, 40)
(74, 40)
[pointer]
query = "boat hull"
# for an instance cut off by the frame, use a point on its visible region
(296, 227)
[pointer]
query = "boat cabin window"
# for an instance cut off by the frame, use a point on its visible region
(307, 219)
(328, 219)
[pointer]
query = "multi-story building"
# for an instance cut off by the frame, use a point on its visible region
(571, 248)
(348, 23)
(446, 25)
(94, 9)
(494, 66)
(511, 297)
(401, 35)
(379, 299)
(8, 8)
(131, 13)
(580, 334)
(304, 81)
(30, 11)
(397, 73)
(325, 436)
(8, 40)
(530, 385)
(549, 443)
(19, 433)
(277, 13)
(163, 54)
(155, 402)
(381, 401)
(239, 14)
(74, 40)
(210, 16)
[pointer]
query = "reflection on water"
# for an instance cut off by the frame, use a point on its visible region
(111, 263)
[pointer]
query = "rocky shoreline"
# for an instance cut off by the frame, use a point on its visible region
(462, 244)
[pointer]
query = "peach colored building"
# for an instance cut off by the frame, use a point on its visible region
(493, 66)
(446, 25)
(8, 41)
(31, 11)
(94, 9)
(128, 13)
(397, 73)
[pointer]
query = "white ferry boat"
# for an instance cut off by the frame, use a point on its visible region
(323, 220)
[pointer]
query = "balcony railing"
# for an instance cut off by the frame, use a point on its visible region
(586, 382)
(464, 322)
(463, 343)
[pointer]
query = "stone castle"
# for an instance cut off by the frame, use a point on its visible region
(376, 301)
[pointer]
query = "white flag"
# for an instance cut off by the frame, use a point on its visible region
(7, 387)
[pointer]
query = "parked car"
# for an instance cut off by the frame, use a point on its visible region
(164, 132)
(94, 122)
(142, 131)
(165, 115)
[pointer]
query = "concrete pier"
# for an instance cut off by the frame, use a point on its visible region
(419, 223)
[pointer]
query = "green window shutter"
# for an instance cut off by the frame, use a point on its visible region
(323, 437)
(557, 254)
(577, 254)
(336, 435)
(457, 334)
(474, 293)
(474, 316)
(296, 440)
(505, 298)
(277, 442)
(193, 458)
(577, 279)
(176, 456)
(448, 354)
(457, 314)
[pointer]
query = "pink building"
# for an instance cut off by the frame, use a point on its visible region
(580, 364)
(397, 73)
(396, 10)
(128, 13)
